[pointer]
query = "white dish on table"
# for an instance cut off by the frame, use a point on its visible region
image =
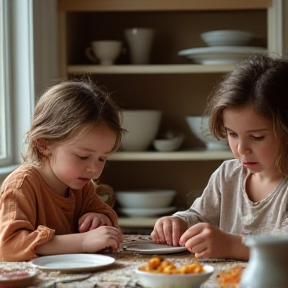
(160, 280)
(220, 54)
(144, 247)
(73, 262)
(146, 212)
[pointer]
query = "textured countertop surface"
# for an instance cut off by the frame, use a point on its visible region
(120, 274)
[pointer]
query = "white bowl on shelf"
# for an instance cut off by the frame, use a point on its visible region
(227, 37)
(199, 126)
(142, 126)
(145, 198)
(172, 142)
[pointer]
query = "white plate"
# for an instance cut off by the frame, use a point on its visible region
(146, 212)
(73, 262)
(220, 54)
(152, 248)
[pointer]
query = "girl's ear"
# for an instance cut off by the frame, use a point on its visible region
(43, 147)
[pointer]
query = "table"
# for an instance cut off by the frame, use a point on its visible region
(119, 275)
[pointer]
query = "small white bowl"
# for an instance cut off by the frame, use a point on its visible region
(199, 126)
(227, 37)
(169, 144)
(160, 280)
(145, 198)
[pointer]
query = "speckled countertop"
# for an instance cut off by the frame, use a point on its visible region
(119, 275)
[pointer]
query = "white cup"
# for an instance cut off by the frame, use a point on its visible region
(140, 42)
(104, 52)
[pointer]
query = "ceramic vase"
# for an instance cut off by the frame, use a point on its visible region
(268, 262)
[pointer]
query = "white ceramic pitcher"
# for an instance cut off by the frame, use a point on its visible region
(268, 262)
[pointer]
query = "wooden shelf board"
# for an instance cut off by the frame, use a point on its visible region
(203, 155)
(148, 69)
(161, 5)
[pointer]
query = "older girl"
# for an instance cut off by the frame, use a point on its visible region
(247, 195)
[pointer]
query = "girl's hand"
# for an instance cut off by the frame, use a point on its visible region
(168, 230)
(90, 221)
(207, 241)
(101, 238)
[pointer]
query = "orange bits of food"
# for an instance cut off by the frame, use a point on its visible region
(159, 265)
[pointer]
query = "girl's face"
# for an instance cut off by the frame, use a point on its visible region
(75, 163)
(251, 139)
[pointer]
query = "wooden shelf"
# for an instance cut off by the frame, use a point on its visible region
(148, 69)
(163, 5)
(202, 155)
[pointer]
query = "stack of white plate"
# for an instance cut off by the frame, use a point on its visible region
(224, 47)
(145, 203)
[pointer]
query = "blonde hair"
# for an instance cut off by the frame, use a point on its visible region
(65, 110)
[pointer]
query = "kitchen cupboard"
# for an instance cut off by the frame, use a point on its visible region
(170, 83)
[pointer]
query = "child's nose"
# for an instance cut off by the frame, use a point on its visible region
(243, 148)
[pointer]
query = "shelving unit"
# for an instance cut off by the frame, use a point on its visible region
(170, 83)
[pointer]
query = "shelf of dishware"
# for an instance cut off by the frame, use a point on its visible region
(194, 155)
(139, 222)
(148, 69)
(168, 5)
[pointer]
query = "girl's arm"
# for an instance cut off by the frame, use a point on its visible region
(87, 242)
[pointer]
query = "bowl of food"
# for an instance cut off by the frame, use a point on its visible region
(199, 126)
(145, 198)
(227, 37)
(142, 127)
(159, 273)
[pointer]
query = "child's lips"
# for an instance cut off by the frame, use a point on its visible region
(85, 179)
(249, 163)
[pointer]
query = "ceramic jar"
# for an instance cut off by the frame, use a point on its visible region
(268, 263)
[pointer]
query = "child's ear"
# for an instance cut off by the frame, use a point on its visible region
(44, 147)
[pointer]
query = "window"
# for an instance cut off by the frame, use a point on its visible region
(28, 64)
(5, 153)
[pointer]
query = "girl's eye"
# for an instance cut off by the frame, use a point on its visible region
(102, 159)
(83, 157)
(232, 134)
(257, 138)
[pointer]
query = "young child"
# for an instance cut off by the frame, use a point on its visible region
(49, 205)
(247, 195)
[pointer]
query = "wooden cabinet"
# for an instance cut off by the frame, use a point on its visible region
(171, 83)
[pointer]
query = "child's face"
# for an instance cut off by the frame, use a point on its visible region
(251, 138)
(75, 163)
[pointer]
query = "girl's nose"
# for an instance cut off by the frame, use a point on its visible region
(243, 148)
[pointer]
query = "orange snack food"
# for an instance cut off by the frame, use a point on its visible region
(159, 265)
(231, 277)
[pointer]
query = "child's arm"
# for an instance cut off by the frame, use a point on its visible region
(207, 241)
(87, 242)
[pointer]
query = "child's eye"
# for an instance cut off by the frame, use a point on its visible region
(232, 134)
(257, 138)
(102, 159)
(83, 157)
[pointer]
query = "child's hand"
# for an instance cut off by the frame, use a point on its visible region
(90, 221)
(207, 241)
(168, 230)
(101, 238)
